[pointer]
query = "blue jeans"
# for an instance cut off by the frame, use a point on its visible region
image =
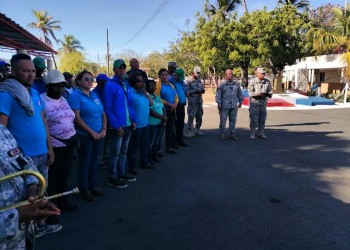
(138, 142)
(88, 152)
(155, 140)
(40, 163)
(117, 152)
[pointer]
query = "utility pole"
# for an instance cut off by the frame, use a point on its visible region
(245, 5)
(107, 57)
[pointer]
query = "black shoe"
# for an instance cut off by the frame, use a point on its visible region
(68, 208)
(182, 143)
(160, 154)
(156, 160)
(86, 195)
(97, 192)
(133, 172)
(148, 166)
(171, 151)
(127, 178)
(117, 183)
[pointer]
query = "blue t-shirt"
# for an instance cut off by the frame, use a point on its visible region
(28, 130)
(168, 93)
(158, 108)
(140, 104)
(180, 90)
(40, 86)
(91, 110)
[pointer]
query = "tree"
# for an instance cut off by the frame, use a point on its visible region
(46, 25)
(223, 6)
(299, 4)
(154, 61)
(128, 54)
(70, 44)
(73, 62)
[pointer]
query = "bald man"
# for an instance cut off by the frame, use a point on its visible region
(135, 68)
(229, 98)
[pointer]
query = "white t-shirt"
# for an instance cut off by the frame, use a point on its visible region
(60, 119)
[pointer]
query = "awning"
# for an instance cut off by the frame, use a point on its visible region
(13, 37)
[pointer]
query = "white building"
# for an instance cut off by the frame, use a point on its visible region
(327, 70)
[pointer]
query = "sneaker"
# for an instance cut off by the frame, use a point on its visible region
(199, 132)
(252, 134)
(190, 133)
(97, 192)
(171, 151)
(117, 183)
(233, 137)
(187, 135)
(42, 229)
(127, 178)
(222, 136)
(160, 154)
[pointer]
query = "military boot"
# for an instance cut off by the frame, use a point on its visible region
(252, 134)
(199, 132)
(262, 135)
(222, 136)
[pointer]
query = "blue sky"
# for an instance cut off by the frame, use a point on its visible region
(88, 20)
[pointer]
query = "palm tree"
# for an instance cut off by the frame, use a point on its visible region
(224, 6)
(70, 44)
(46, 25)
(299, 4)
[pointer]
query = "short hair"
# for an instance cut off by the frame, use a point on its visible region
(18, 57)
(133, 78)
(161, 71)
(80, 76)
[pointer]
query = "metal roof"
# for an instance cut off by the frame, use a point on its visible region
(14, 37)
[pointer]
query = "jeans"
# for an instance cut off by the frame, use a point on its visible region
(117, 152)
(180, 121)
(40, 163)
(155, 140)
(88, 152)
(169, 128)
(139, 141)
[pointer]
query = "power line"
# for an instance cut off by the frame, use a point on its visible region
(154, 15)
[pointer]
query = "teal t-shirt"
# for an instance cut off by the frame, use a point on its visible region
(157, 107)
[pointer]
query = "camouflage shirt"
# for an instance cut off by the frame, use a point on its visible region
(229, 94)
(12, 191)
(194, 90)
(256, 87)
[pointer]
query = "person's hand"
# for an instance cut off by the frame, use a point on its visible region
(95, 135)
(239, 105)
(37, 210)
(102, 133)
(50, 157)
(164, 119)
(120, 132)
(174, 105)
(219, 106)
(133, 126)
(32, 192)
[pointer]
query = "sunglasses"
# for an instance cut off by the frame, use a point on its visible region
(122, 67)
(87, 79)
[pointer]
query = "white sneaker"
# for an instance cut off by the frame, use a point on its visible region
(42, 229)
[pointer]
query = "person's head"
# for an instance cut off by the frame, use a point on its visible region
(179, 74)
(84, 80)
(134, 64)
(40, 65)
(196, 72)
(163, 75)
(69, 79)
(119, 68)
(228, 75)
(172, 67)
(136, 81)
(4, 70)
(101, 80)
(150, 86)
(260, 73)
(55, 83)
(23, 69)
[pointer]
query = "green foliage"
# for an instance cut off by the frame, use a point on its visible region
(73, 62)
(70, 44)
(154, 62)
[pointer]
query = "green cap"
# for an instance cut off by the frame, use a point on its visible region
(180, 72)
(39, 63)
(119, 62)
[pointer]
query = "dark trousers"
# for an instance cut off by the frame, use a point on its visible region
(169, 128)
(155, 140)
(180, 121)
(59, 173)
(139, 142)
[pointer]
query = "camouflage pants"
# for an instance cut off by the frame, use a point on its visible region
(232, 116)
(257, 115)
(194, 110)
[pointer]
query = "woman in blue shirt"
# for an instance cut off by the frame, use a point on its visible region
(91, 123)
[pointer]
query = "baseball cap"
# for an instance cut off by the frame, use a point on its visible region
(180, 72)
(102, 77)
(197, 70)
(54, 76)
(261, 70)
(39, 63)
(3, 63)
(119, 62)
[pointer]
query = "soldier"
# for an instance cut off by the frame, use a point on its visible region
(259, 90)
(194, 91)
(14, 222)
(228, 97)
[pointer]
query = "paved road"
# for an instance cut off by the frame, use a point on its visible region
(289, 192)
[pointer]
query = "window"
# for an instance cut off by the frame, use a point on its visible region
(322, 76)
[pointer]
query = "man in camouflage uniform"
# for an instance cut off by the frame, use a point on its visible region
(14, 222)
(229, 98)
(194, 91)
(259, 90)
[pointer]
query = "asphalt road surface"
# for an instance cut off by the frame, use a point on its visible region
(289, 192)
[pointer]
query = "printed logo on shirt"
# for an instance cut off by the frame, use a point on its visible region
(97, 101)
